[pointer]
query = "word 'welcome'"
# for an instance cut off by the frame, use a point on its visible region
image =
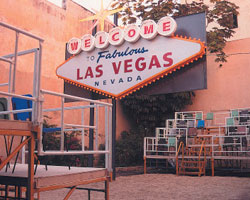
(166, 26)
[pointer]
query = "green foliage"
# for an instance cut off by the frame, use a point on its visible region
(148, 112)
(51, 141)
(129, 149)
(219, 17)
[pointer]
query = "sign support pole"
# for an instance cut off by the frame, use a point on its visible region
(114, 121)
(91, 136)
(113, 137)
(91, 123)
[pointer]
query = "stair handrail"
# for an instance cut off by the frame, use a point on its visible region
(202, 146)
(181, 147)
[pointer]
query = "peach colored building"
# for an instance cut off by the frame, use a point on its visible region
(228, 86)
(56, 25)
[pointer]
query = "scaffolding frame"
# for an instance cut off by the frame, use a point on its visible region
(33, 130)
(227, 141)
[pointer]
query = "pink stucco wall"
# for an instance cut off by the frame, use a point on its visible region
(56, 26)
(227, 86)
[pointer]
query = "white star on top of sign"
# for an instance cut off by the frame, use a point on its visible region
(101, 16)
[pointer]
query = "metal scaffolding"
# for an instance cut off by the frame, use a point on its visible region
(33, 130)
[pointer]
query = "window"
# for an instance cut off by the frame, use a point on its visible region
(235, 21)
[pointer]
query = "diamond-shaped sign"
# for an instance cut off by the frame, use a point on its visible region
(119, 71)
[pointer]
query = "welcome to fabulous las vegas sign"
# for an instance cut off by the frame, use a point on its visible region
(120, 62)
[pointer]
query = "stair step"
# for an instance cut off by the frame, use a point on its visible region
(193, 173)
(199, 145)
(190, 173)
(190, 167)
(193, 163)
(190, 164)
(196, 157)
(193, 151)
(195, 146)
(195, 154)
(190, 161)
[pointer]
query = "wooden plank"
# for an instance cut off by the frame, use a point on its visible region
(15, 133)
(64, 185)
(17, 125)
(59, 176)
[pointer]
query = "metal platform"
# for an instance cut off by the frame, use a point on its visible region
(53, 177)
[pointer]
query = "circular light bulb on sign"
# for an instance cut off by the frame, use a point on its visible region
(88, 42)
(101, 40)
(166, 26)
(74, 46)
(148, 29)
(116, 36)
(132, 33)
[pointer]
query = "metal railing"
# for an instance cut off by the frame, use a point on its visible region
(166, 145)
(79, 127)
(12, 60)
(189, 115)
(230, 144)
(38, 104)
(180, 148)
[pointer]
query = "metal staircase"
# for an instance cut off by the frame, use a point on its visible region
(193, 159)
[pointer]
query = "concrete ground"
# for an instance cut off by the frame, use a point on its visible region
(164, 186)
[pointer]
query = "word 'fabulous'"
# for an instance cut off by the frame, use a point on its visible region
(115, 53)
